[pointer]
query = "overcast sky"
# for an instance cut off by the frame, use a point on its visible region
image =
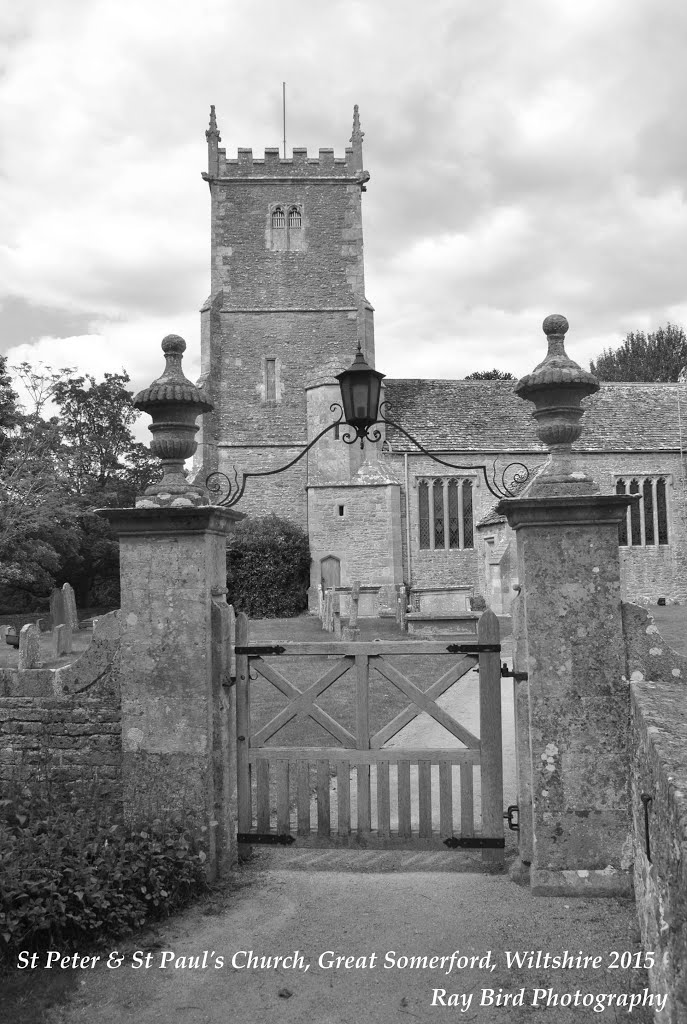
(525, 157)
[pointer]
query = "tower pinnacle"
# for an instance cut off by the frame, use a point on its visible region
(357, 139)
(213, 139)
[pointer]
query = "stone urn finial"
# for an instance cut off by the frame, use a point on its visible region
(174, 404)
(556, 387)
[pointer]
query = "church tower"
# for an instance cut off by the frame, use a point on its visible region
(287, 307)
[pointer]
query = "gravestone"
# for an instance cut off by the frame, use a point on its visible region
(29, 646)
(387, 601)
(4, 630)
(70, 615)
(57, 607)
(353, 606)
(61, 640)
(336, 615)
(402, 608)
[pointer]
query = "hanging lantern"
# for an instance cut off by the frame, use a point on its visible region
(360, 391)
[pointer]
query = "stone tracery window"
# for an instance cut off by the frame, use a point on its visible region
(278, 218)
(445, 512)
(294, 217)
(646, 522)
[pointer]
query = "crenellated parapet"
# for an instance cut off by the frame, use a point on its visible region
(323, 167)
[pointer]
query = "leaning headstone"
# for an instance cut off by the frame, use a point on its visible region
(387, 601)
(70, 616)
(328, 613)
(353, 606)
(61, 640)
(29, 646)
(57, 607)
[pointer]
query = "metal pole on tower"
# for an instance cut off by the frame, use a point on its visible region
(283, 97)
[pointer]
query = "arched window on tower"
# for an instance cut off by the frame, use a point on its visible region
(294, 217)
(278, 218)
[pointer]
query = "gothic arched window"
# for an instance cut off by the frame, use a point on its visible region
(294, 217)
(278, 218)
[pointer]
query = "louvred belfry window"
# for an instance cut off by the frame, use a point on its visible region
(294, 217)
(646, 521)
(278, 218)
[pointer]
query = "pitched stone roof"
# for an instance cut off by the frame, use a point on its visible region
(486, 416)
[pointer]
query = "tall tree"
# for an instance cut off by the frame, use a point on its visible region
(56, 469)
(658, 356)
(490, 375)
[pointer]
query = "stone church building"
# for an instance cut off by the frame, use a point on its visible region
(286, 311)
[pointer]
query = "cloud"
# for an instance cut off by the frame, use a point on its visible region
(525, 158)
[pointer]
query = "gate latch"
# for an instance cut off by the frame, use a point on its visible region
(519, 677)
(513, 812)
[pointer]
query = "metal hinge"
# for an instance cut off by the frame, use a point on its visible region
(519, 677)
(266, 838)
(513, 811)
(474, 842)
(473, 648)
(255, 651)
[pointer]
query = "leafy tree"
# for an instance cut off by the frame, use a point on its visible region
(8, 400)
(657, 356)
(56, 469)
(268, 568)
(490, 375)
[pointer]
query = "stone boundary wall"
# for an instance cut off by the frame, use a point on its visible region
(658, 742)
(65, 722)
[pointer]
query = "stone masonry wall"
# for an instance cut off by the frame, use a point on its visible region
(65, 721)
(658, 685)
(75, 739)
(366, 538)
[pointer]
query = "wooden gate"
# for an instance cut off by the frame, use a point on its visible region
(404, 797)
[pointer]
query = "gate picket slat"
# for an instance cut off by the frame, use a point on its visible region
(283, 810)
(445, 799)
(343, 797)
(303, 797)
(467, 814)
(364, 812)
(262, 796)
(383, 800)
(424, 771)
(323, 808)
(404, 799)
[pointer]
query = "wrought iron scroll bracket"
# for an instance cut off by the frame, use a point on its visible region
(498, 489)
(217, 481)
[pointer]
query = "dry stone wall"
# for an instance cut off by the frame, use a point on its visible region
(65, 722)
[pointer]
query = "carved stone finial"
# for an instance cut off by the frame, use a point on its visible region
(213, 132)
(556, 387)
(174, 403)
(357, 135)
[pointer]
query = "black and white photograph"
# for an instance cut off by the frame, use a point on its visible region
(343, 512)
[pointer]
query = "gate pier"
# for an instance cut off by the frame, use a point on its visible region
(573, 715)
